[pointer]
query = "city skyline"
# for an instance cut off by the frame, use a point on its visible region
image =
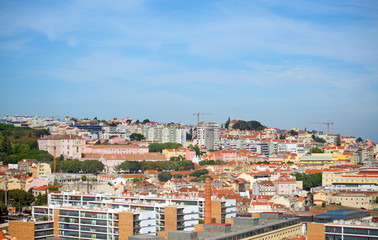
(285, 64)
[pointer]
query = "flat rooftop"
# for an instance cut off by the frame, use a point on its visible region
(238, 232)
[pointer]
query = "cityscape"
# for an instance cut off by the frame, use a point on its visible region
(76, 178)
(189, 120)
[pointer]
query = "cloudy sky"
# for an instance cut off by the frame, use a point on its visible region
(283, 63)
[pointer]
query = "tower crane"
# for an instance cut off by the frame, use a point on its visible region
(198, 114)
(326, 123)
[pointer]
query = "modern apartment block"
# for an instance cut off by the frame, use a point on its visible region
(208, 136)
(164, 134)
(87, 222)
(31, 230)
(221, 208)
(342, 230)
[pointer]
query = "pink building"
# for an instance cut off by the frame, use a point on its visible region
(117, 140)
(116, 149)
(285, 186)
(34, 183)
(224, 155)
(110, 161)
(3, 168)
(70, 146)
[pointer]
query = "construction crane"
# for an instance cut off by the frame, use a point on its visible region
(54, 159)
(198, 114)
(326, 123)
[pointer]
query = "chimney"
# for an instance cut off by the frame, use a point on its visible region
(207, 201)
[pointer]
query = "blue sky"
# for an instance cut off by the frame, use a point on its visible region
(283, 63)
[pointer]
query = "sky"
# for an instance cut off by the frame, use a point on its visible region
(285, 63)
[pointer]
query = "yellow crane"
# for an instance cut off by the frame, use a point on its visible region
(326, 123)
(198, 114)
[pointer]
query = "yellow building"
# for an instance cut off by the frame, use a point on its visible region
(40, 170)
(364, 176)
(317, 161)
(173, 153)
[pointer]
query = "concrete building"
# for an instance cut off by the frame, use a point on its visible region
(164, 134)
(263, 188)
(342, 230)
(208, 136)
(87, 222)
(221, 208)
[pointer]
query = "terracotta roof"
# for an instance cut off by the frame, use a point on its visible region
(143, 156)
(60, 137)
(41, 188)
(117, 146)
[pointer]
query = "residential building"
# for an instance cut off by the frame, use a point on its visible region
(40, 170)
(342, 230)
(285, 186)
(91, 222)
(208, 136)
(263, 188)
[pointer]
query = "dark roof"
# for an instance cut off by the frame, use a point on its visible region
(342, 214)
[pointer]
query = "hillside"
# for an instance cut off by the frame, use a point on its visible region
(17, 143)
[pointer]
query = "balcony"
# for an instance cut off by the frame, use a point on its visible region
(69, 227)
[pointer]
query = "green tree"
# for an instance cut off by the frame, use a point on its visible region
(309, 180)
(177, 175)
(55, 183)
(132, 166)
(316, 150)
(189, 136)
(159, 147)
(318, 139)
(41, 200)
(137, 180)
(338, 140)
(164, 176)
(146, 121)
(211, 162)
(198, 151)
(359, 139)
(6, 146)
(282, 136)
(19, 198)
(3, 210)
(293, 133)
(200, 172)
(227, 123)
(248, 125)
(83, 178)
(323, 204)
(136, 137)
(92, 166)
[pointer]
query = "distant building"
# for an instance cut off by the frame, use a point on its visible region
(208, 136)
(69, 146)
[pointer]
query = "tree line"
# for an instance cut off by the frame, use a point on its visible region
(76, 166)
(136, 166)
(248, 125)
